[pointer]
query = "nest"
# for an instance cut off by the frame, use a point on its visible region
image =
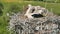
(22, 25)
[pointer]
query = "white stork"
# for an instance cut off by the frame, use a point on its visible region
(34, 11)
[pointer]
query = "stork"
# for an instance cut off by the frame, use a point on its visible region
(34, 11)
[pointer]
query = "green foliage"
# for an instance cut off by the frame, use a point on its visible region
(1, 12)
(1, 7)
(14, 8)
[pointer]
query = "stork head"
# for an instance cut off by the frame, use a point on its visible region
(34, 11)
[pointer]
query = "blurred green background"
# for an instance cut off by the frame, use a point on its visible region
(9, 6)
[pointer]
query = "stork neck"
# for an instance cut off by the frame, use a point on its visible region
(28, 10)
